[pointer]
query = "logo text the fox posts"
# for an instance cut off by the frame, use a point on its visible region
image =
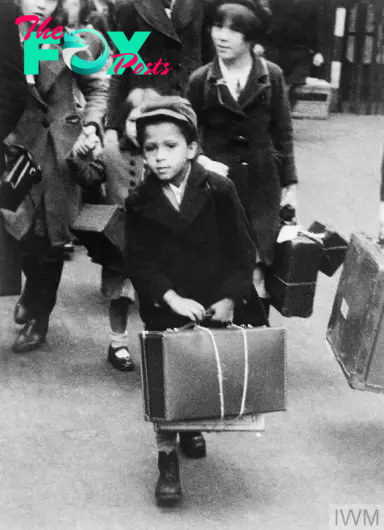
(127, 58)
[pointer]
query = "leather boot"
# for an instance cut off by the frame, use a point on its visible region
(192, 444)
(21, 315)
(168, 487)
(31, 336)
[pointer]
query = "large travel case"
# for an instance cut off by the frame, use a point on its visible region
(213, 374)
(356, 328)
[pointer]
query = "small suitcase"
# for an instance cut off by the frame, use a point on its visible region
(20, 175)
(292, 281)
(356, 328)
(334, 248)
(100, 228)
(10, 263)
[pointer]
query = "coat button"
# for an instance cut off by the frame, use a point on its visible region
(132, 173)
(133, 163)
(45, 122)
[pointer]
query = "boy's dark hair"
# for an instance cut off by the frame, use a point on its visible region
(188, 131)
(248, 17)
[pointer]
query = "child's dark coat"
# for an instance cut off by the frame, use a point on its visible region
(253, 137)
(203, 252)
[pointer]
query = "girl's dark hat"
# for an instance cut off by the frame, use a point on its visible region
(262, 13)
(174, 107)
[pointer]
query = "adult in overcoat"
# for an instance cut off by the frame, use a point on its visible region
(49, 128)
(175, 38)
(13, 86)
(253, 137)
(295, 40)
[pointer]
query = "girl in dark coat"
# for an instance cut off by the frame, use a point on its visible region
(49, 128)
(245, 122)
(122, 169)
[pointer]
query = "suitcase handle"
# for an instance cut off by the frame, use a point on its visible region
(317, 238)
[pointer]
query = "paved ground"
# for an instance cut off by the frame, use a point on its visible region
(75, 453)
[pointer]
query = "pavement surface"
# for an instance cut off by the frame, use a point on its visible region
(76, 454)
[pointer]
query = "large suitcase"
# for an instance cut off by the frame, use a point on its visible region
(202, 374)
(356, 328)
(292, 281)
(10, 263)
(100, 228)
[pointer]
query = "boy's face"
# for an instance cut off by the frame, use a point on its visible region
(167, 152)
(229, 43)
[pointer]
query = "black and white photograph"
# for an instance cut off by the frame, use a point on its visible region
(191, 264)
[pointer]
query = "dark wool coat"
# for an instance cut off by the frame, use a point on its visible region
(202, 252)
(120, 167)
(49, 127)
(296, 35)
(253, 137)
(176, 41)
(13, 87)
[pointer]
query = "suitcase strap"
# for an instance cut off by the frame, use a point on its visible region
(317, 238)
(193, 325)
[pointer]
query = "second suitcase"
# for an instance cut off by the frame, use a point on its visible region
(100, 228)
(292, 281)
(334, 248)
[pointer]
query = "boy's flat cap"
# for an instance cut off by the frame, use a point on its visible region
(174, 107)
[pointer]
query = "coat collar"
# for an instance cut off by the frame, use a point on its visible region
(154, 14)
(156, 205)
(258, 81)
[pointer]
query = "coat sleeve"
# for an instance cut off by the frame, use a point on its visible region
(120, 84)
(87, 171)
(282, 129)
(141, 257)
(239, 249)
(95, 90)
(13, 86)
(195, 95)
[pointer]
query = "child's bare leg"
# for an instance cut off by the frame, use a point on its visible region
(118, 352)
(118, 315)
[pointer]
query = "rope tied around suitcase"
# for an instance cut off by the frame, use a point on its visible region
(220, 371)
